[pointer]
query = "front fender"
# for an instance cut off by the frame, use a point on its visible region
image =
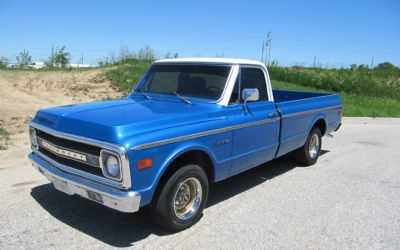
(146, 181)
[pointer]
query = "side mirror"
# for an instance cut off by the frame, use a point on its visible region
(249, 95)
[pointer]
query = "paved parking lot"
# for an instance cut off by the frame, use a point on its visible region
(349, 199)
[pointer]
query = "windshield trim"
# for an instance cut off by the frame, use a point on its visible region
(191, 98)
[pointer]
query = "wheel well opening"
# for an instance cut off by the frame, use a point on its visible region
(197, 157)
(321, 125)
(194, 157)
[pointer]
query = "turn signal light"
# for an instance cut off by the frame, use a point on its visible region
(145, 163)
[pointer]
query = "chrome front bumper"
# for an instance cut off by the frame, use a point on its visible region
(124, 201)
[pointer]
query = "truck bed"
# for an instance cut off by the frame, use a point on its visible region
(287, 95)
(299, 111)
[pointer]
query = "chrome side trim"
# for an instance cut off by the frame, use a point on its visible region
(202, 134)
(310, 111)
(226, 129)
(126, 173)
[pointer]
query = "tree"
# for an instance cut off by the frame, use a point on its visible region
(362, 67)
(386, 66)
(60, 58)
(3, 62)
(24, 59)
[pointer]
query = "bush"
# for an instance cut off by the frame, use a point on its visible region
(3, 62)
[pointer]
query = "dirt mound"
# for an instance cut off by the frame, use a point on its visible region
(23, 93)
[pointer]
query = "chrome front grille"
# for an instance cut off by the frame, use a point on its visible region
(65, 152)
(62, 142)
(71, 154)
(79, 155)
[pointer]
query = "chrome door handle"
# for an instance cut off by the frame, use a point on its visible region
(271, 114)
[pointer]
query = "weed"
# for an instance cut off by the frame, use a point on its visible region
(4, 137)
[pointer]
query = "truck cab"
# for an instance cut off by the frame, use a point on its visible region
(188, 123)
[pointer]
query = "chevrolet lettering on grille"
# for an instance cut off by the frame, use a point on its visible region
(63, 152)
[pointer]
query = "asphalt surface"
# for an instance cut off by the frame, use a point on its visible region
(349, 200)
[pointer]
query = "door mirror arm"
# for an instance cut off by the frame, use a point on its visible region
(249, 95)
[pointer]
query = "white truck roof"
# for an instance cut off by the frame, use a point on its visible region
(211, 60)
(234, 73)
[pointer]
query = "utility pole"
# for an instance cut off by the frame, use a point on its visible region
(269, 43)
(266, 49)
(262, 51)
(372, 62)
(52, 55)
(315, 59)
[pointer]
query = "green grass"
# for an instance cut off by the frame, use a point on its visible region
(4, 137)
(125, 75)
(353, 105)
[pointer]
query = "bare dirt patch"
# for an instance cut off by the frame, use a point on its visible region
(23, 93)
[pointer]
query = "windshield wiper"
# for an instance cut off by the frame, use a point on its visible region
(181, 97)
(143, 93)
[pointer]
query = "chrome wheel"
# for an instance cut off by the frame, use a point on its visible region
(313, 146)
(187, 198)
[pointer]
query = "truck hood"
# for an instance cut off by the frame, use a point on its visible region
(112, 121)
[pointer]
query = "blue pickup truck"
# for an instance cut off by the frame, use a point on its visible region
(188, 123)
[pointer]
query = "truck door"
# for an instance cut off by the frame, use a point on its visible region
(255, 139)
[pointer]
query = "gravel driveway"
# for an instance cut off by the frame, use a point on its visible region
(349, 199)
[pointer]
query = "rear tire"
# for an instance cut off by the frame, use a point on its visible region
(182, 199)
(309, 153)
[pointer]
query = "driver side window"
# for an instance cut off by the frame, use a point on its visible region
(249, 78)
(253, 78)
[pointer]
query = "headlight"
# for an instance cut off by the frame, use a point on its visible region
(110, 164)
(34, 141)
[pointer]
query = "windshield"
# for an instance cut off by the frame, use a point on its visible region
(192, 81)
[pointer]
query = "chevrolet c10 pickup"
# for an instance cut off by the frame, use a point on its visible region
(188, 123)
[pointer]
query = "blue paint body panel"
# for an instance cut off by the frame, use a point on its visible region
(250, 138)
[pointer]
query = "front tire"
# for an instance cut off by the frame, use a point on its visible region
(309, 153)
(182, 199)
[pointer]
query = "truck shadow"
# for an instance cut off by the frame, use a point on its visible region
(123, 230)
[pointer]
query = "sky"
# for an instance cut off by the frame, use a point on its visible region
(331, 32)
